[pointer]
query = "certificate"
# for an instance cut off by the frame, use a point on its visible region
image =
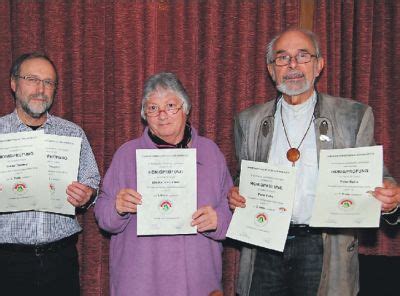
(167, 181)
(63, 163)
(35, 170)
(346, 179)
(269, 191)
(23, 177)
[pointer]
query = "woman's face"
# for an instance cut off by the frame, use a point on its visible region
(169, 127)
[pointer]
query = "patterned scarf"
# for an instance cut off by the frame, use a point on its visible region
(161, 144)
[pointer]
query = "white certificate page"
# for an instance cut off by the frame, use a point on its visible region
(269, 191)
(167, 181)
(63, 164)
(346, 179)
(23, 171)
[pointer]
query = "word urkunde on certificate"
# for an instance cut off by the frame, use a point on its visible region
(346, 179)
(269, 191)
(167, 181)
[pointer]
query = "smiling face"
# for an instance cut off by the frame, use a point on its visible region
(168, 127)
(295, 81)
(33, 100)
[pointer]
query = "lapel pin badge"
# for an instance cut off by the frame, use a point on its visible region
(324, 138)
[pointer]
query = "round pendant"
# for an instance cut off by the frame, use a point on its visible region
(293, 154)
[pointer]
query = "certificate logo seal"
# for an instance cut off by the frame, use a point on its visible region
(52, 188)
(20, 188)
(346, 204)
(261, 219)
(166, 206)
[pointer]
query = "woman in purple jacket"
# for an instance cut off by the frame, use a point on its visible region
(165, 265)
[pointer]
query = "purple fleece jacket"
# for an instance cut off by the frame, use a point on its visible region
(179, 265)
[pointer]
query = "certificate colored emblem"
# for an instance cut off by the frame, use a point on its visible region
(261, 219)
(346, 203)
(166, 206)
(52, 188)
(20, 188)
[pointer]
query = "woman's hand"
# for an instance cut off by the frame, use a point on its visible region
(205, 219)
(127, 201)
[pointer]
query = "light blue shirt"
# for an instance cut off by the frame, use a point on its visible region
(32, 227)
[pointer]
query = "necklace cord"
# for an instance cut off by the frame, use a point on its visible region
(286, 135)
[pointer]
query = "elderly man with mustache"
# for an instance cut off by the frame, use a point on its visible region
(290, 131)
(38, 255)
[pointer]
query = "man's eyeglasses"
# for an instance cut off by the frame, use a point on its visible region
(154, 110)
(34, 81)
(301, 58)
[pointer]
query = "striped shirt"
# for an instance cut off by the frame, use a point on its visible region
(33, 227)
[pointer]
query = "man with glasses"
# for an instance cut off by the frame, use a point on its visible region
(290, 131)
(38, 255)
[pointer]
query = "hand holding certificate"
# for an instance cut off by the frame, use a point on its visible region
(346, 178)
(166, 179)
(269, 192)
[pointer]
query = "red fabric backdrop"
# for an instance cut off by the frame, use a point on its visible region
(104, 51)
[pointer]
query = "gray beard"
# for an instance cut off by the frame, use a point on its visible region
(283, 88)
(32, 113)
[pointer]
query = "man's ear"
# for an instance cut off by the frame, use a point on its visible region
(271, 71)
(13, 84)
(319, 66)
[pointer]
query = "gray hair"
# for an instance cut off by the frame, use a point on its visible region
(16, 66)
(270, 55)
(165, 81)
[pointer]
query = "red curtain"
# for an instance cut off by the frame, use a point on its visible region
(104, 51)
(360, 42)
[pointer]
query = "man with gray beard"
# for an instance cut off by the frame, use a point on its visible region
(38, 255)
(290, 131)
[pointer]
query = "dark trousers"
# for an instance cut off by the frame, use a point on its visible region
(379, 275)
(296, 271)
(54, 273)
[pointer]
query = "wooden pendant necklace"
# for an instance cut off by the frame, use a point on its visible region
(293, 154)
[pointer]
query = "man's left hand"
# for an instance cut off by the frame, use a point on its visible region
(79, 194)
(388, 195)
